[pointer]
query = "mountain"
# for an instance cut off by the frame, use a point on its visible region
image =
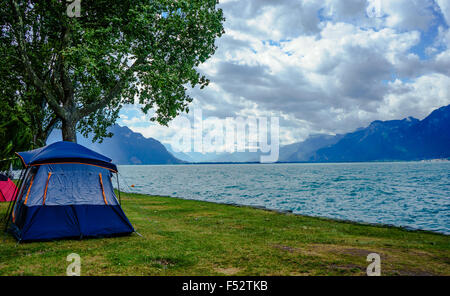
(180, 155)
(126, 147)
(214, 156)
(246, 156)
(407, 139)
(431, 137)
(303, 151)
(285, 153)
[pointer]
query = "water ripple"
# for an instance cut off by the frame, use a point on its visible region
(413, 194)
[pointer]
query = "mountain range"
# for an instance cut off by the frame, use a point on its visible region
(126, 147)
(407, 139)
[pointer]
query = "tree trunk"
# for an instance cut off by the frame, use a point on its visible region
(69, 132)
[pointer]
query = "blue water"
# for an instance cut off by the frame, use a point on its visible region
(411, 194)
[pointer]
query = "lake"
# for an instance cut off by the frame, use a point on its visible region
(410, 194)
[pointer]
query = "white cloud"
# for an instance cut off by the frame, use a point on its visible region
(417, 98)
(134, 120)
(444, 6)
(323, 66)
(408, 14)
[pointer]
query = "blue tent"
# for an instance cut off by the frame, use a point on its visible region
(67, 192)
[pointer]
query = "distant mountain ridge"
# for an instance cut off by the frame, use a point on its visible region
(407, 139)
(126, 147)
(306, 149)
(295, 152)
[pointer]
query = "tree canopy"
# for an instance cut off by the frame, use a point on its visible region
(25, 120)
(14, 134)
(80, 71)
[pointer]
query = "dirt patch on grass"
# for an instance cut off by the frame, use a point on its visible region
(228, 271)
(413, 273)
(324, 249)
(286, 248)
(299, 274)
(309, 250)
(163, 262)
(348, 267)
(37, 253)
(359, 252)
(321, 250)
(167, 262)
(237, 226)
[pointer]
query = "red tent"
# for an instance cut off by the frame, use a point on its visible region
(7, 189)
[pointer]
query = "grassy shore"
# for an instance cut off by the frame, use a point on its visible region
(184, 237)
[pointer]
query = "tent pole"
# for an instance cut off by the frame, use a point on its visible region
(15, 200)
(12, 202)
(118, 188)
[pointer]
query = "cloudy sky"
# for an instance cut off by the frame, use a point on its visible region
(323, 66)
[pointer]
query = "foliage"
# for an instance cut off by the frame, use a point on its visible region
(25, 120)
(14, 135)
(117, 52)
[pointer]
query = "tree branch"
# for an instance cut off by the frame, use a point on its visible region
(68, 90)
(37, 81)
(113, 93)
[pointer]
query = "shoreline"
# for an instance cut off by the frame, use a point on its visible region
(289, 212)
(298, 162)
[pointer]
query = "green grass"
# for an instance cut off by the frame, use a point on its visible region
(184, 237)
